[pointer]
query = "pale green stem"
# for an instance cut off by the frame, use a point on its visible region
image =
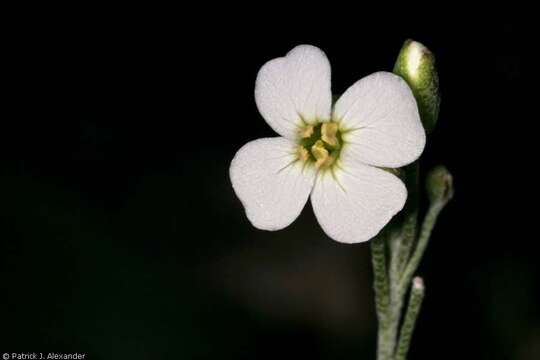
(395, 243)
(423, 239)
(400, 246)
(382, 297)
(396, 306)
(391, 283)
(411, 217)
(413, 309)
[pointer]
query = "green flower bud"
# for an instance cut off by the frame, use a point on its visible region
(416, 64)
(439, 184)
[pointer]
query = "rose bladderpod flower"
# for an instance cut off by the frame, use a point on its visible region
(335, 154)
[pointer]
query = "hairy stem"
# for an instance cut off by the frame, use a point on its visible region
(410, 220)
(413, 309)
(401, 243)
(423, 239)
(382, 297)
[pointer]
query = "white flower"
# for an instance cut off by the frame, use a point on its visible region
(332, 153)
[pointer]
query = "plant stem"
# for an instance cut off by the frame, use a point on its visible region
(392, 282)
(415, 303)
(411, 216)
(382, 297)
(423, 239)
(401, 244)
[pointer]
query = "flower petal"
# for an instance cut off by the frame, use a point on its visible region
(355, 202)
(381, 113)
(294, 87)
(270, 183)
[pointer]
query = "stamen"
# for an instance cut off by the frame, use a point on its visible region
(328, 132)
(303, 154)
(321, 154)
(306, 132)
(319, 144)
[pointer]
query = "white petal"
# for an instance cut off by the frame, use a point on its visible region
(381, 112)
(294, 87)
(356, 202)
(271, 185)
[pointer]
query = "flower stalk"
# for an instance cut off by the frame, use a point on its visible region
(391, 284)
(382, 296)
(415, 302)
(401, 246)
(393, 345)
(423, 239)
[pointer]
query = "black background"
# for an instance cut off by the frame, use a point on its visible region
(121, 237)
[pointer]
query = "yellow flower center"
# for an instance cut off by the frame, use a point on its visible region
(319, 144)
